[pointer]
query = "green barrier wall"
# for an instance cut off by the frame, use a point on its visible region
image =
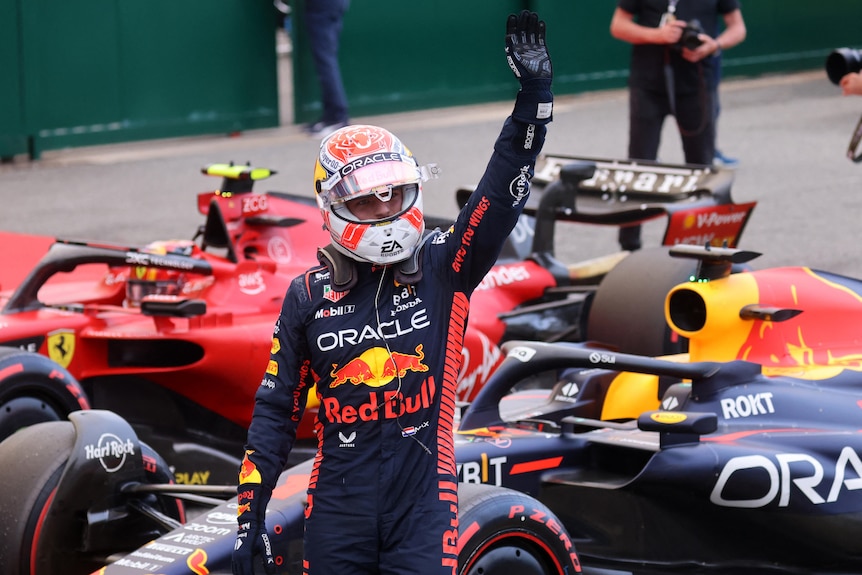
(86, 72)
(400, 55)
(97, 71)
(12, 132)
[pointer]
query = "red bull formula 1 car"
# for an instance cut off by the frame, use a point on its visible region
(743, 455)
(175, 336)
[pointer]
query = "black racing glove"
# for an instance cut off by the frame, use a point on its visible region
(252, 541)
(529, 60)
(251, 537)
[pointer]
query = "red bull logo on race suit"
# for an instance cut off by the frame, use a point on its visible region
(377, 366)
(248, 472)
(386, 405)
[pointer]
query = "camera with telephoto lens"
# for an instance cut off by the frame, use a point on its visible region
(841, 62)
(690, 33)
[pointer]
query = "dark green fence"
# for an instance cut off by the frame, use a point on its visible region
(400, 55)
(13, 134)
(84, 72)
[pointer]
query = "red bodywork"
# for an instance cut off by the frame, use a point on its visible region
(227, 348)
(232, 339)
(791, 320)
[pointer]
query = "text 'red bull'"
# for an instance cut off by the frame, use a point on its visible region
(389, 405)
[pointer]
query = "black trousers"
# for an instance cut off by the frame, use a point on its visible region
(695, 116)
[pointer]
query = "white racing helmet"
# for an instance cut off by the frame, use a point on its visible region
(361, 160)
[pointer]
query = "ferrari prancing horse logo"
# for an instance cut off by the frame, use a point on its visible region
(61, 346)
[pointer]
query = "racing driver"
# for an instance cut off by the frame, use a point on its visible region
(378, 326)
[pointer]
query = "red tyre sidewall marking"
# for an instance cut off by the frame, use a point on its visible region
(37, 532)
(518, 535)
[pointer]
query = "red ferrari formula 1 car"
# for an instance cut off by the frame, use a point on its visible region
(175, 336)
(572, 458)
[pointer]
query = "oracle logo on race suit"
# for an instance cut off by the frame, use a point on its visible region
(386, 330)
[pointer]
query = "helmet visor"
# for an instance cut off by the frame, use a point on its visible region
(367, 175)
(406, 195)
(137, 290)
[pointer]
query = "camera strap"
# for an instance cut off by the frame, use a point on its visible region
(670, 15)
(670, 86)
(669, 82)
(668, 70)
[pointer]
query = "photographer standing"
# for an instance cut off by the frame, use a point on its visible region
(674, 52)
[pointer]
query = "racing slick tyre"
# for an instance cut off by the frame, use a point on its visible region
(28, 484)
(627, 310)
(32, 463)
(504, 532)
(34, 389)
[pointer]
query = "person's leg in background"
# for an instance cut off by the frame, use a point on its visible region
(324, 21)
(696, 122)
(718, 157)
(647, 112)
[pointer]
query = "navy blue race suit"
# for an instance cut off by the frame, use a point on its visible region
(382, 497)
(386, 459)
